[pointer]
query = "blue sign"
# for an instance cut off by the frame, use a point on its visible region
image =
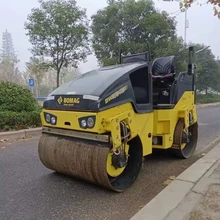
(31, 82)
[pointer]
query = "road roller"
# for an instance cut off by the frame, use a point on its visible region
(99, 126)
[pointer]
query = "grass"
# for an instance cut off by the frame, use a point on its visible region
(209, 98)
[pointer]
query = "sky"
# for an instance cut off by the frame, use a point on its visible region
(204, 27)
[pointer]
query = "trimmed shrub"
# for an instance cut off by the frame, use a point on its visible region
(16, 121)
(16, 98)
(18, 108)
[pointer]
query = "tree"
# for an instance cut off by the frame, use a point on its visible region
(216, 4)
(130, 25)
(207, 69)
(68, 73)
(36, 68)
(48, 82)
(110, 2)
(8, 60)
(217, 80)
(58, 29)
(7, 46)
(9, 71)
(49, 79)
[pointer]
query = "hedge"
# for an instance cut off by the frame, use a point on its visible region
(16, 121)
(16, 98)
(18, 107)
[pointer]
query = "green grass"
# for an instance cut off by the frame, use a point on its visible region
(209, 98)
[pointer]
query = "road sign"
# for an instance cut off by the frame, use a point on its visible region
(31, 82)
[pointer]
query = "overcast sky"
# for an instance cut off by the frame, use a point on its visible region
(203, 26)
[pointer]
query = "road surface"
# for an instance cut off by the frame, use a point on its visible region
(29, 191)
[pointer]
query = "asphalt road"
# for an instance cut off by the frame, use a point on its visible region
(29, 191)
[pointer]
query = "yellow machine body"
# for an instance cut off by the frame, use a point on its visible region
(144, 126)
(103, 138)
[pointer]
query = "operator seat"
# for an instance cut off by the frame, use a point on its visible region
(164, 68)
(163, 74)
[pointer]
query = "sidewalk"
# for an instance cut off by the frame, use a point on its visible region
(193, 195)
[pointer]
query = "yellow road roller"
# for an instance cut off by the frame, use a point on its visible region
(99, 126)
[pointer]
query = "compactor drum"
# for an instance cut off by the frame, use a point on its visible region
(100, 125)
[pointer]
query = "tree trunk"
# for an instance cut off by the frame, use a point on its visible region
(37, 87)
(58, 78)
(206, 90)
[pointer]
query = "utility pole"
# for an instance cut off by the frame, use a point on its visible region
(186, 25)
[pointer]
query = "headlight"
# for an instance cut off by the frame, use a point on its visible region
(47, 118)
(87, 122)
(90, 122)
(53, 120)
(83, 124)
(50, 119)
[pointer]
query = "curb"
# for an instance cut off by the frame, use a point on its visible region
(162, 205)
(22, 134)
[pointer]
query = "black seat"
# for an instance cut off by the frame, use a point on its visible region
(163, 74)
(164, 68)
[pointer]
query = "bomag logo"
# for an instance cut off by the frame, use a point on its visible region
(68, 101)
(71, 101)
(60, 100)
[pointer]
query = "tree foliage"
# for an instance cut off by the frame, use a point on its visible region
(110, 2)
(68, 73)
(131, 25)
(207, 69)
(7, 46)
(58, 29)
(215, 3)
(8, 60)
(37, 68)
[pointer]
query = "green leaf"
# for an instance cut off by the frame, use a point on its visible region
(59, 30)
(130, 25)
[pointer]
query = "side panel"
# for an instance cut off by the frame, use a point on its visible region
(145, 129)
(165, 120)
(182, 83)
(140, 125)
(123, 91)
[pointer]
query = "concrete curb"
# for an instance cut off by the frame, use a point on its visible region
(165, 203)
(26, 133)
(33, 132)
